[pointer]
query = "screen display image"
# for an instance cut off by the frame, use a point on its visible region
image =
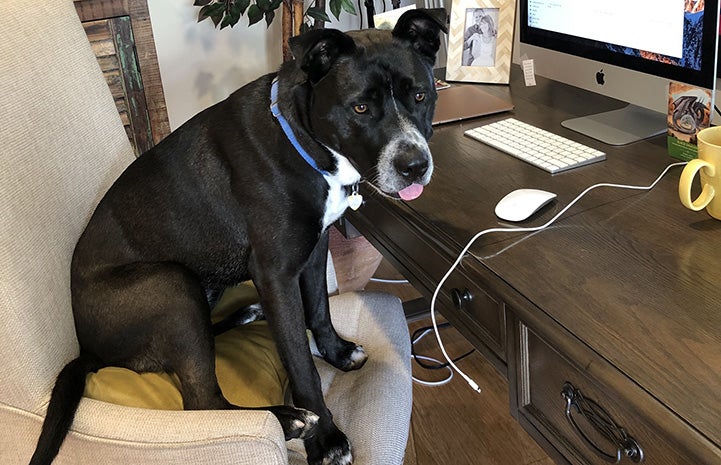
(669, 31)
(626, 50)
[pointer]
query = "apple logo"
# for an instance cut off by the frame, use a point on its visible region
(600, 77)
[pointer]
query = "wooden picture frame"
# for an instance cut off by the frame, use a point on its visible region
(480, 41)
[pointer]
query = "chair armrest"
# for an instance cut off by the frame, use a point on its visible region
(129, 435)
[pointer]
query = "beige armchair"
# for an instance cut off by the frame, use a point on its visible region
(61, 145)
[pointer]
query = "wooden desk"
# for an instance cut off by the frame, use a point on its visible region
(621, 297)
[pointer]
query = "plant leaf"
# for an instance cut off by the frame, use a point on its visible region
(203, 13)
(335, 8)
(216, 12)
(201, 3)
(348, 6)
(242, 5)
(269, 15)
(264, 5)
(254, 14)
(216, 17)
(225, 22)
(213, 11)
(233, 14)
(318, 13)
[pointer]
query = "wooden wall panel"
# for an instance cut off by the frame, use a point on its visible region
(122, 39)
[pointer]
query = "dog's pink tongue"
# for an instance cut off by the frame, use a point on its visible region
(411, 192)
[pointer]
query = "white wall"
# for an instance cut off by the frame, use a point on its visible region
(201, 65)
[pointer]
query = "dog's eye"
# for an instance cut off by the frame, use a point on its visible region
(420, 96)
(360, 108)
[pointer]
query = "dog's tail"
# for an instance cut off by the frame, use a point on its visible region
(64, 401)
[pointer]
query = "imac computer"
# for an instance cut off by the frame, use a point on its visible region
(628, 50)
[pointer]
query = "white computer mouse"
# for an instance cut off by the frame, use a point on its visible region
(522, 203)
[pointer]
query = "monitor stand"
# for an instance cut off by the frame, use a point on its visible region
(620, 127)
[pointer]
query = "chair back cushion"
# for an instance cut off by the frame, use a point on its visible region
(62, 145)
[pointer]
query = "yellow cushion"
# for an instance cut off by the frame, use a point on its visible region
(248, 367)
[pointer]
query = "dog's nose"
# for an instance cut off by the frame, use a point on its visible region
(413, 169)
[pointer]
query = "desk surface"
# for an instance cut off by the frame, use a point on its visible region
(635, 276)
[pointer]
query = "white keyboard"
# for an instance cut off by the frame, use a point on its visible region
(540, 148)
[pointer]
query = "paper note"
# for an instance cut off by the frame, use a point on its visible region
(529, 73)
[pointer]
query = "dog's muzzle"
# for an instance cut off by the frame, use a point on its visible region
(405, 166)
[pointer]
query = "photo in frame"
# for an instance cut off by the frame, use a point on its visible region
(480, 41)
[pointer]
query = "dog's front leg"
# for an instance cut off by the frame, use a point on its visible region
(342, 354)
(281, 300)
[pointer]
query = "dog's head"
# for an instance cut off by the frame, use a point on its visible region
(372, 97)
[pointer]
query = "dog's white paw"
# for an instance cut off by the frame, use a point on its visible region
(345, 356)
(296, 422)
(357, 358)
(338, 456)
(351, 359)
(329, 447)
(307, 424)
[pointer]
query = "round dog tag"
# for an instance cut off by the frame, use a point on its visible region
(355, 200)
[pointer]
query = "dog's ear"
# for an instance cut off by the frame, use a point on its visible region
(317, 50)
(422, 29)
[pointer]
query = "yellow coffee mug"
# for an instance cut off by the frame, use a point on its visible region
(708, 165)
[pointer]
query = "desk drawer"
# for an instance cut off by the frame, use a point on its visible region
(477, 309)
(591, 423)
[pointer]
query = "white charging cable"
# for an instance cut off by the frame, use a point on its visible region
(463, 253)
(441, 382)
(388, 281)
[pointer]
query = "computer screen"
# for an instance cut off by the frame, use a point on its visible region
(629, 50)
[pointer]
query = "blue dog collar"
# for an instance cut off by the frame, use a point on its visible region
(275, 109)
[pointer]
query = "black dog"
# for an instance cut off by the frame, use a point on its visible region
(242, 191)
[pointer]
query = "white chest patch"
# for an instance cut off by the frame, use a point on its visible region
(337, 200)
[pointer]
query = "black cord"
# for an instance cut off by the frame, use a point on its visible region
(717, 110)
(428, 366)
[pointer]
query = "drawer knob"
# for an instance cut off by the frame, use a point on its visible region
(460, 297)
(602, 422)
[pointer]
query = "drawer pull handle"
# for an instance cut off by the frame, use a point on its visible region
(460, 297)
(603, 424)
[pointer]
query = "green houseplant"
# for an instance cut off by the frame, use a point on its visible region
(225, 13)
